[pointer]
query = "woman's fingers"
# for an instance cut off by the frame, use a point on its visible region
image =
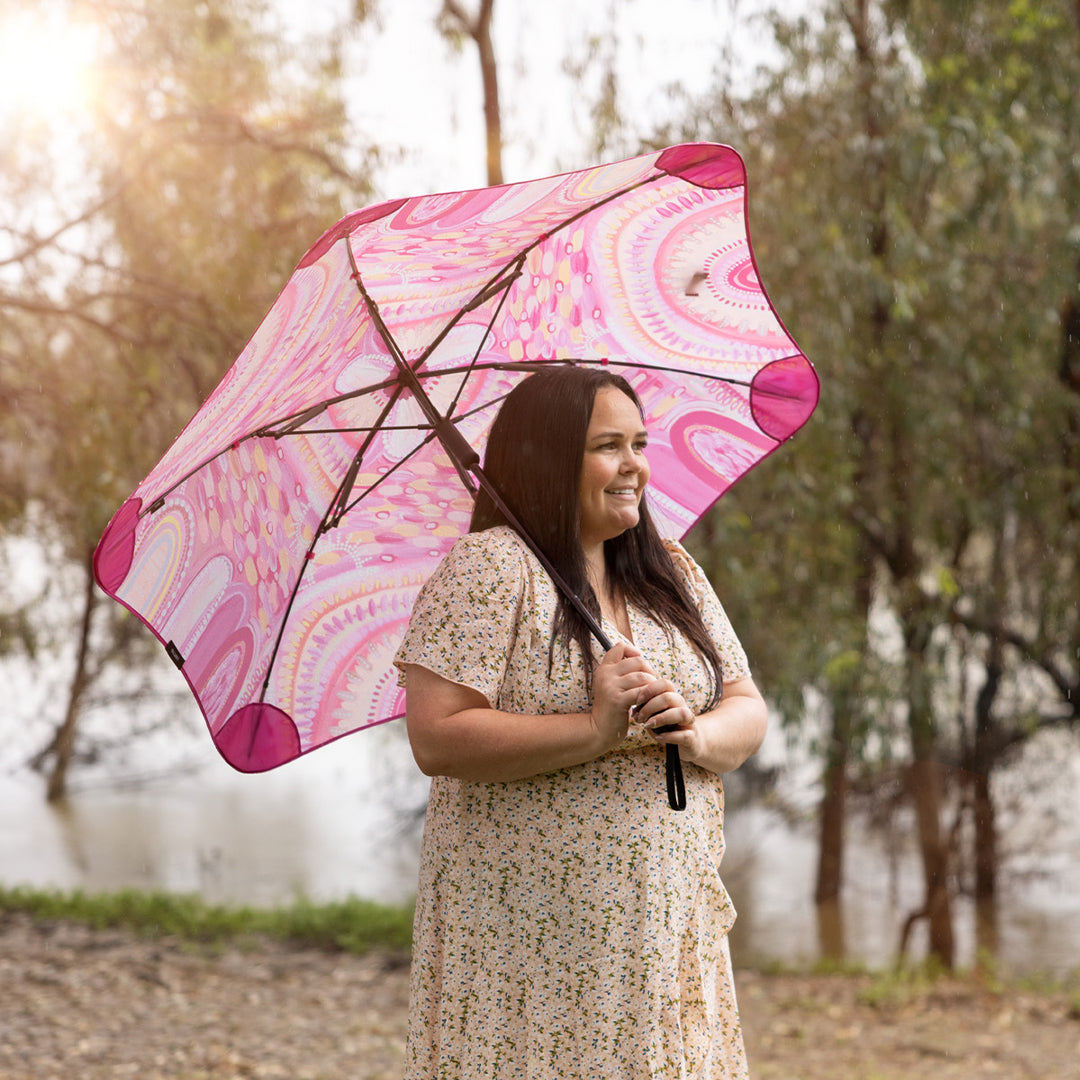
(660, 705)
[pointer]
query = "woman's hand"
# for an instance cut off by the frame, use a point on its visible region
(617, 683)
(660, 705)
(719, 740)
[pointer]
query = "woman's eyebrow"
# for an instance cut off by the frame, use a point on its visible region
(642, 434)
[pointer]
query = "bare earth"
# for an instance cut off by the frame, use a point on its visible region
(78, 1004)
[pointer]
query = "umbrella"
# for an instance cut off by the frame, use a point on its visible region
(277, 547)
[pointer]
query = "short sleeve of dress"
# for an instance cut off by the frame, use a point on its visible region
(732, 654)
(466, 616)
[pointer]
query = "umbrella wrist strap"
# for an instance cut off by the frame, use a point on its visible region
(676, 786)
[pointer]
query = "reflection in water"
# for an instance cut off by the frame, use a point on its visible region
(344, 822)
(339, 822)
(769, 870)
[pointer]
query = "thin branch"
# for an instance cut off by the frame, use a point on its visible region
(38, 244)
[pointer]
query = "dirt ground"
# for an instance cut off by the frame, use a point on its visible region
(78, 1004)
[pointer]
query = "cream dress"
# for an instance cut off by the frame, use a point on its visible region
(570, 924)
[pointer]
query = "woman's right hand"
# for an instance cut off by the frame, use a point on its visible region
(618, 677)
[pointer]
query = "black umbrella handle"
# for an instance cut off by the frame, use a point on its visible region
(676, 787)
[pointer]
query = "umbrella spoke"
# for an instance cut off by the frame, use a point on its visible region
(337, 507)
(491, 322)
(390, 472)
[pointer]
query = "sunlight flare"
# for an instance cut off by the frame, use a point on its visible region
(46, 65)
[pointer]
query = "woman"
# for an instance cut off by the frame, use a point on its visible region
(568, 922)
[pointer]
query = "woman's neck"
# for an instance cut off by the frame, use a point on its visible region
(596, 568)
(612, 605)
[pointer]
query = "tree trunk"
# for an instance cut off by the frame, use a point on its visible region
(986, 935)
(479, 29)
(832, 815)
(63, 744)
(926, 792)
(832, 812)
(981, 767)
(489, 75)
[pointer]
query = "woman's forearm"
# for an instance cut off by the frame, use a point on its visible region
(484, 744)
(729, 734)
(454, 731)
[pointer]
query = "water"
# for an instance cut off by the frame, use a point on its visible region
(340, 822)
(344, 821)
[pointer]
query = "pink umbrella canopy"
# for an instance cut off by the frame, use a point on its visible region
(277, 547)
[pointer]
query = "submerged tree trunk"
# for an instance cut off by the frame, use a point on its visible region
(832, 940)
(832, 813)
(832, 816)
(928, 798)
(982, 802)
(62, 748)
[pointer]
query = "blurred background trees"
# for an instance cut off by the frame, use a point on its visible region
(914, 560)
(205, 164)
(904, 576)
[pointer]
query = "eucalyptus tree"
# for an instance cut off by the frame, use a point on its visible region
(917, 167)
(456, 23)
(1000, 85)
(215, 156)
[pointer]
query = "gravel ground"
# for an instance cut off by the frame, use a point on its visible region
(79, 1004)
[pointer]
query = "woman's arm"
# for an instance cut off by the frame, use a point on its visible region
(719, 740)
(454, 731)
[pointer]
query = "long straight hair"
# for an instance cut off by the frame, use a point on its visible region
(534, 458)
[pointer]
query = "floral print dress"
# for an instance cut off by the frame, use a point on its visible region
(570, 924)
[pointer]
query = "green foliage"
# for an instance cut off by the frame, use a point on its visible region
(914, 204)
(901, 985)
(352, 925)
(211, 159)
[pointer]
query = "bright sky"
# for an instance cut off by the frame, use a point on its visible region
(409, 88)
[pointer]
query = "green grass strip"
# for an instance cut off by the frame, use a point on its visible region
(352, 925)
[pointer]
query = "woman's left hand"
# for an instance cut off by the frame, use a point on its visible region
(661, 706)
(719, 740)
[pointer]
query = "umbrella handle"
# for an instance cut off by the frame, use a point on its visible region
(676, 788)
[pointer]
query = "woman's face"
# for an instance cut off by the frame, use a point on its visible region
(614, 471)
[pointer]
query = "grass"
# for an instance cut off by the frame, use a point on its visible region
(352, 925)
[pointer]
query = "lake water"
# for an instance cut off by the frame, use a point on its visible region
(345, 821)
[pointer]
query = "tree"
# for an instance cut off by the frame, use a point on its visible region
(456, 23)
(905, 188)
(212, 163)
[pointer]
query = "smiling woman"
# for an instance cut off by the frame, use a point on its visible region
(46, 65)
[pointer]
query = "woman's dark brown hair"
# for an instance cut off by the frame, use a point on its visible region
(533, 458)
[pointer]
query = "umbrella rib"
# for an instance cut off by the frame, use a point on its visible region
(333, 516)
(294, 420)
(446, 432)
(540, 365)
(409, 427)
(500, 280)
(310, 554)
(471, 366)
(390, 472)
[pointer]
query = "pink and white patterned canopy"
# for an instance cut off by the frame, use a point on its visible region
(277, 547)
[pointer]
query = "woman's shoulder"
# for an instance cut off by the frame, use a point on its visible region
(495, 552)
(683, 560)
(498, 542)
